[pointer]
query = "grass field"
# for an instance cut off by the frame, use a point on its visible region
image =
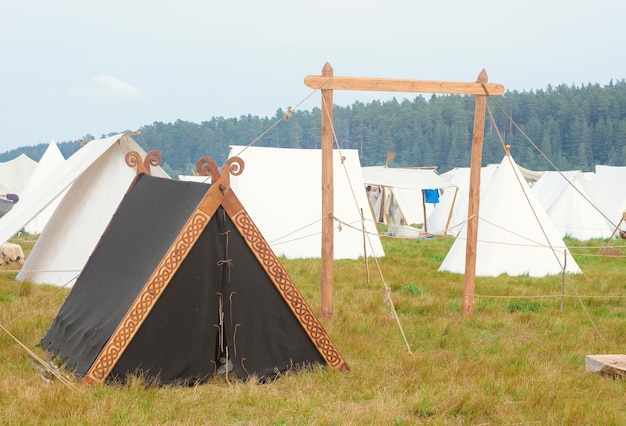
(520, 359)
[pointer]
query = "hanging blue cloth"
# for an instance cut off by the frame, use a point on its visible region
(431, 195)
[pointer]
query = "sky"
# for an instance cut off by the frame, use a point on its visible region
(70, 68)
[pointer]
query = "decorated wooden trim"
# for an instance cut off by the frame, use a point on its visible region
(161, 277)
(283, 283)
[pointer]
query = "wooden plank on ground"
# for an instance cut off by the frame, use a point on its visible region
(611, 365)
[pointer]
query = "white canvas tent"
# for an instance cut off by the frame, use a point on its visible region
(450, 213)
(282, 190)
(608, 183)
(49, 162)
(575, 209)
(15, 174)
(515, 235)
(99, 177)
(400, 196)
(195, 178)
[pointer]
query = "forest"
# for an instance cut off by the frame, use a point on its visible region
(566, 127)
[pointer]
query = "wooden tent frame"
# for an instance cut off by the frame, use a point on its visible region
(218, 194)
(327, 82)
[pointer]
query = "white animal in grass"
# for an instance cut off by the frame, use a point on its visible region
(11, 253)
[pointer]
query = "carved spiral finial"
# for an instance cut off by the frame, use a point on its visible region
(207, 167)
(133, 159)
(153, 158)
(235, 166)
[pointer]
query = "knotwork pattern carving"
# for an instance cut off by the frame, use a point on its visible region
(288, 290)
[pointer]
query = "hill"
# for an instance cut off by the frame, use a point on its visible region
(575, 127)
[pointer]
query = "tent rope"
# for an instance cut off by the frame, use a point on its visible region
(550, 296)
(46, 366)
(501, 139)
(285, 116)
(388, 299)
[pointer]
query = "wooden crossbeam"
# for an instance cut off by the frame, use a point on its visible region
(402, 85)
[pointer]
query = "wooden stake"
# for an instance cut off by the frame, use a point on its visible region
(328, 255)
(474, 200)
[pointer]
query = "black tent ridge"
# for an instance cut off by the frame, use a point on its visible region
(181, 287)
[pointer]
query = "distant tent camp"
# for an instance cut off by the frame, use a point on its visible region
(49, 162)
(515, 234)
(403, 196)
(574, 208)
(97, 178)
(183, 290)
(294, 227)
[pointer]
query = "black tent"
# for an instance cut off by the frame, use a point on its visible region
(182, 286)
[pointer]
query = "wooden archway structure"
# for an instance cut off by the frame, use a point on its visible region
(327, 82)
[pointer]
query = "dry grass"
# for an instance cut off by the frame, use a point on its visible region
(518, 360)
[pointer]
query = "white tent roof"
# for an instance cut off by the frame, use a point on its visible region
(515, 235)
(575, 209)
(51, 159)
(99, 178)
(403, 177)
(282, 191)
(15, 174)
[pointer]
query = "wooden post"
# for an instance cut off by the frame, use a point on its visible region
(328, 207)
(474, 200)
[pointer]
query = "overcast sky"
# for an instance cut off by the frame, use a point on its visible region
(70, 68)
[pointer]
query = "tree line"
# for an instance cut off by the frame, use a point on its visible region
(568, 127)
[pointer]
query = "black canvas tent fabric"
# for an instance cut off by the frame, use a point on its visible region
(220, 310)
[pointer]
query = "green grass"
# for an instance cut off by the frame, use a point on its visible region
(518, 360)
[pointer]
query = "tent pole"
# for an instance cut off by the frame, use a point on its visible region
(456, 191)
(474, 200)
(327, 198)
(424, 209)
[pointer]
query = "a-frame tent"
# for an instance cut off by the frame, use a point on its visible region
(575, 209)
(47, 165)
(294, 228)
(515, 234)
(94, 180)
(183, 290)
